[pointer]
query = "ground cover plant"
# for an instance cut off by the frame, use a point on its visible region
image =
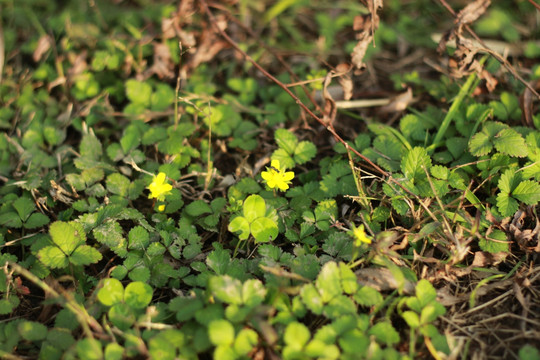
(269, 180)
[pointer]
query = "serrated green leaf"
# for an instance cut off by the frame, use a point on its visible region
(508, 181)
(440, 172)
(312, 299)
(368, 296)
(90, 147)
(510, 142)
(385, 333)
(414, 163)
(138, 238)
(328, 281)
(85, 255)
(245, 341)
(253, 292)
(507, 205)
(53, 257)
(218, 260)
(286, 140)
(36, 220)
(10, 219)
(495, 242)
(296, 335)
(304, 151)
(425, 292)
(197, 208)
(24, 207)
(66, 236)
(221, 332)
(527, 192)
(118, 184)
(412, 319)
(89, 349)
(32, 330)
(285, 159)
(138, 92)
(349, 281)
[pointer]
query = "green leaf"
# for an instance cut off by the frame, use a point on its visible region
(138, 294)
(296, 335)
(240, 223)
(507, 205)
(253, 292)
(10, 219)
(66, 236)
(85, 255)
(53, 257)
(121, 316)
(218, 260)
(138, 92)
(32, 330)
(221, 332)
(36, 220)
(349, 280)
(480, 144)
(24, 207)
(510, 142)
(286, 140)
(264, 229)
(414, 163)
(304, 152)
(339, 306)
(385, 333)
(111, 293)
(368, 296)
(328, 281)
(198, 208)
(226, 289)
(495, 242)
(508, 181)
(254, 207)
(114, 351)
(245, 341)
(425, 292)
(90, 147)
(312, 299)
(138, 238)
(89, 349)
(285, 160)
(412, 319)
(431, 312)
(527, 192)
(118, 184)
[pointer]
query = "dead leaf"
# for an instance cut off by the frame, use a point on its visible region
(381, 279)
(472, 12)
(163, 66)
(398, 103)
(44, 44)
(526, 103)
(330, 109)
(364, 39)
(345, 80)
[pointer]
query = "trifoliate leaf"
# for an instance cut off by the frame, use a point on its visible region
(528, 192)
(138, 238)
(510, 142)
(284, 158)
(254, 207)
(66, 236)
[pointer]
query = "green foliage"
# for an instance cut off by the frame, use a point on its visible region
(257, 220)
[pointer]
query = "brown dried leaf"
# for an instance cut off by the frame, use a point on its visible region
(44, 44)
(345, 81)
(398, 103)
(330, 110)
(366, 27)
(526, 103)
(381, 279)
(163, 65)
(472, 12)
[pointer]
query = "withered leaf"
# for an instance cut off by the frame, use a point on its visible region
(44, 44)
(472, 12)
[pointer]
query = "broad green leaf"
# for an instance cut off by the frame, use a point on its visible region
(138, 92)
(284, 158)
(328, 281)
(354, 342)
(138, 238)
(415, 163)
(226, 289)
(312, 299)
(66, 236)
(286, 140)
(240, 223)
(254, 207)
(185, 307)
(368, 296)
(114, 351)
(245, 341)
(32, 330)
(111, 293)
(527, 192)
(508, 181)
(507, 205)
(89, 349)
(162, 97)
(385, 333)
(160, 347)
(36, 220)
(510, 142)
(85, 255)
(304, 152)
(122, 316)
(198, 208)
(264, 229)
(221, 332)
(440, 172)
(118, 184)
(425, 292)
(431, 312)
(90, 147)
(130, 139)
(339, 306)
(24, 207)
(10, 219)
(218, 260)
(138, 294)
(296, 335)
(412, 319)
(53, 257)
(321, 350)
(480, 144)
(349, 281)
(253, 292)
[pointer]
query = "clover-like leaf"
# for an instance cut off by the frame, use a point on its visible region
(240, 223)
(264, 229)
(138, 294)
(111, 293)
(254, 207)
(221, 332)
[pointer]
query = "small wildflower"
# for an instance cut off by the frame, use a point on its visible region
(359, 235)
(275, 176)
(159, 188)
(161, 207)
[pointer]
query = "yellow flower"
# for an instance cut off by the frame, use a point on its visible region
(275, 176)
(159, 188)
(161, 207)
(359, 235)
